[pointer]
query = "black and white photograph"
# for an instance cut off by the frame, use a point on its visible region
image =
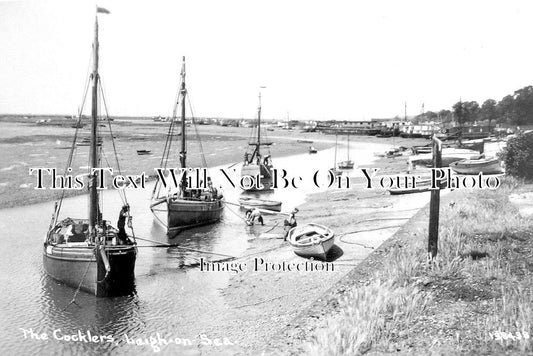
(251, 177)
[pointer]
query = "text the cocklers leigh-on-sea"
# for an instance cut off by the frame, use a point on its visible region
(197, 178)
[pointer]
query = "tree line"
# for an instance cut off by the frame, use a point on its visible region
(513, 110)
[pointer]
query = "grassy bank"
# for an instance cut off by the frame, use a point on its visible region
(477, 298)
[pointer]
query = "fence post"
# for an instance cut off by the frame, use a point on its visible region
(434, 203)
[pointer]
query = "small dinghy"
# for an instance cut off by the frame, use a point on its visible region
(422, 186)
(476, 166)
(346, 164)
(250, 203)
(311, 240)
(143, 152)
(312, 149)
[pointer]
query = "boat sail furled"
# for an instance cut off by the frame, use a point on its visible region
(88, 253)
(186, 206)
(255, 164)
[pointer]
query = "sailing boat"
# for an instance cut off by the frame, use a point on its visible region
(187, 206)
(88, 253)
(334, 170)
(348, 164)
(255, 165)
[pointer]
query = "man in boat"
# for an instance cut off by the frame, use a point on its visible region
(289, 224)
(121, 224)
(251, 215)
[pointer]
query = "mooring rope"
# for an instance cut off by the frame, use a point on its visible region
(73, 301)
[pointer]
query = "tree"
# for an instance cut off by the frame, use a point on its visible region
(518, 156)
(488, 110)
(459, 113)
(472, 111)
(445, 115)
(523, 100)
(505, 109)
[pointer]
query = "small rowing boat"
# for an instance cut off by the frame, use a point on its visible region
(143, 152)
(346, 164)
(311, 240)
(312, 149)
(422, 186)
(476, 166)
(449, 155)
(250, 203)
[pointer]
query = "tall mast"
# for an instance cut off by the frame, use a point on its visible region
(348, 146)
(93, 193)
(183, 91)
(335, 161)
(259, 123)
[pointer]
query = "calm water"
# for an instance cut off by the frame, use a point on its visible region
(172, 297)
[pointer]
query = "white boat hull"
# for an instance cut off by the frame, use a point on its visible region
(313, 246)
(485, 166)
(250, 203)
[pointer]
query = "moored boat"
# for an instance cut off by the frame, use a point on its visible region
(186, 206)
(449, 155)
(88, 253)
(476, 166)
(250, 203)
(334, 169)
(422, 186)
(311, 240)
(143, 152)
(255, 164)
(312, 149)
(348, 163)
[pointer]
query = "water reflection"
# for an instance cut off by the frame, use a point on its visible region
(172, 296)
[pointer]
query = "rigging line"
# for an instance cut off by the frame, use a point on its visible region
(168, 143)
(202, 155)
(164, 157)
(72, 148)
(102, 91)
(174, 114)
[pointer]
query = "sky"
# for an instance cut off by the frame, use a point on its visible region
(343, 60)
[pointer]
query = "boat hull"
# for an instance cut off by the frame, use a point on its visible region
(346, 164)
(185, 214)
(491, 166)
(318, 247)
(250, 203)
(254, 170)
(73, 265)
(448, 157)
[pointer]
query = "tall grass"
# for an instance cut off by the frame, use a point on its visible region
(476, 224)
(371, 314)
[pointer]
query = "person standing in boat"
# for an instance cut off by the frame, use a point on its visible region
(122, 236)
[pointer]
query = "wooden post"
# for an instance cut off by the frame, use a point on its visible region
(434, 204)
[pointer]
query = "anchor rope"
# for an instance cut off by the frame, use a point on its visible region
(73, 301)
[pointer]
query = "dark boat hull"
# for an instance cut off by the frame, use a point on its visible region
(185, 214)
(254, 170)
(108, 276)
